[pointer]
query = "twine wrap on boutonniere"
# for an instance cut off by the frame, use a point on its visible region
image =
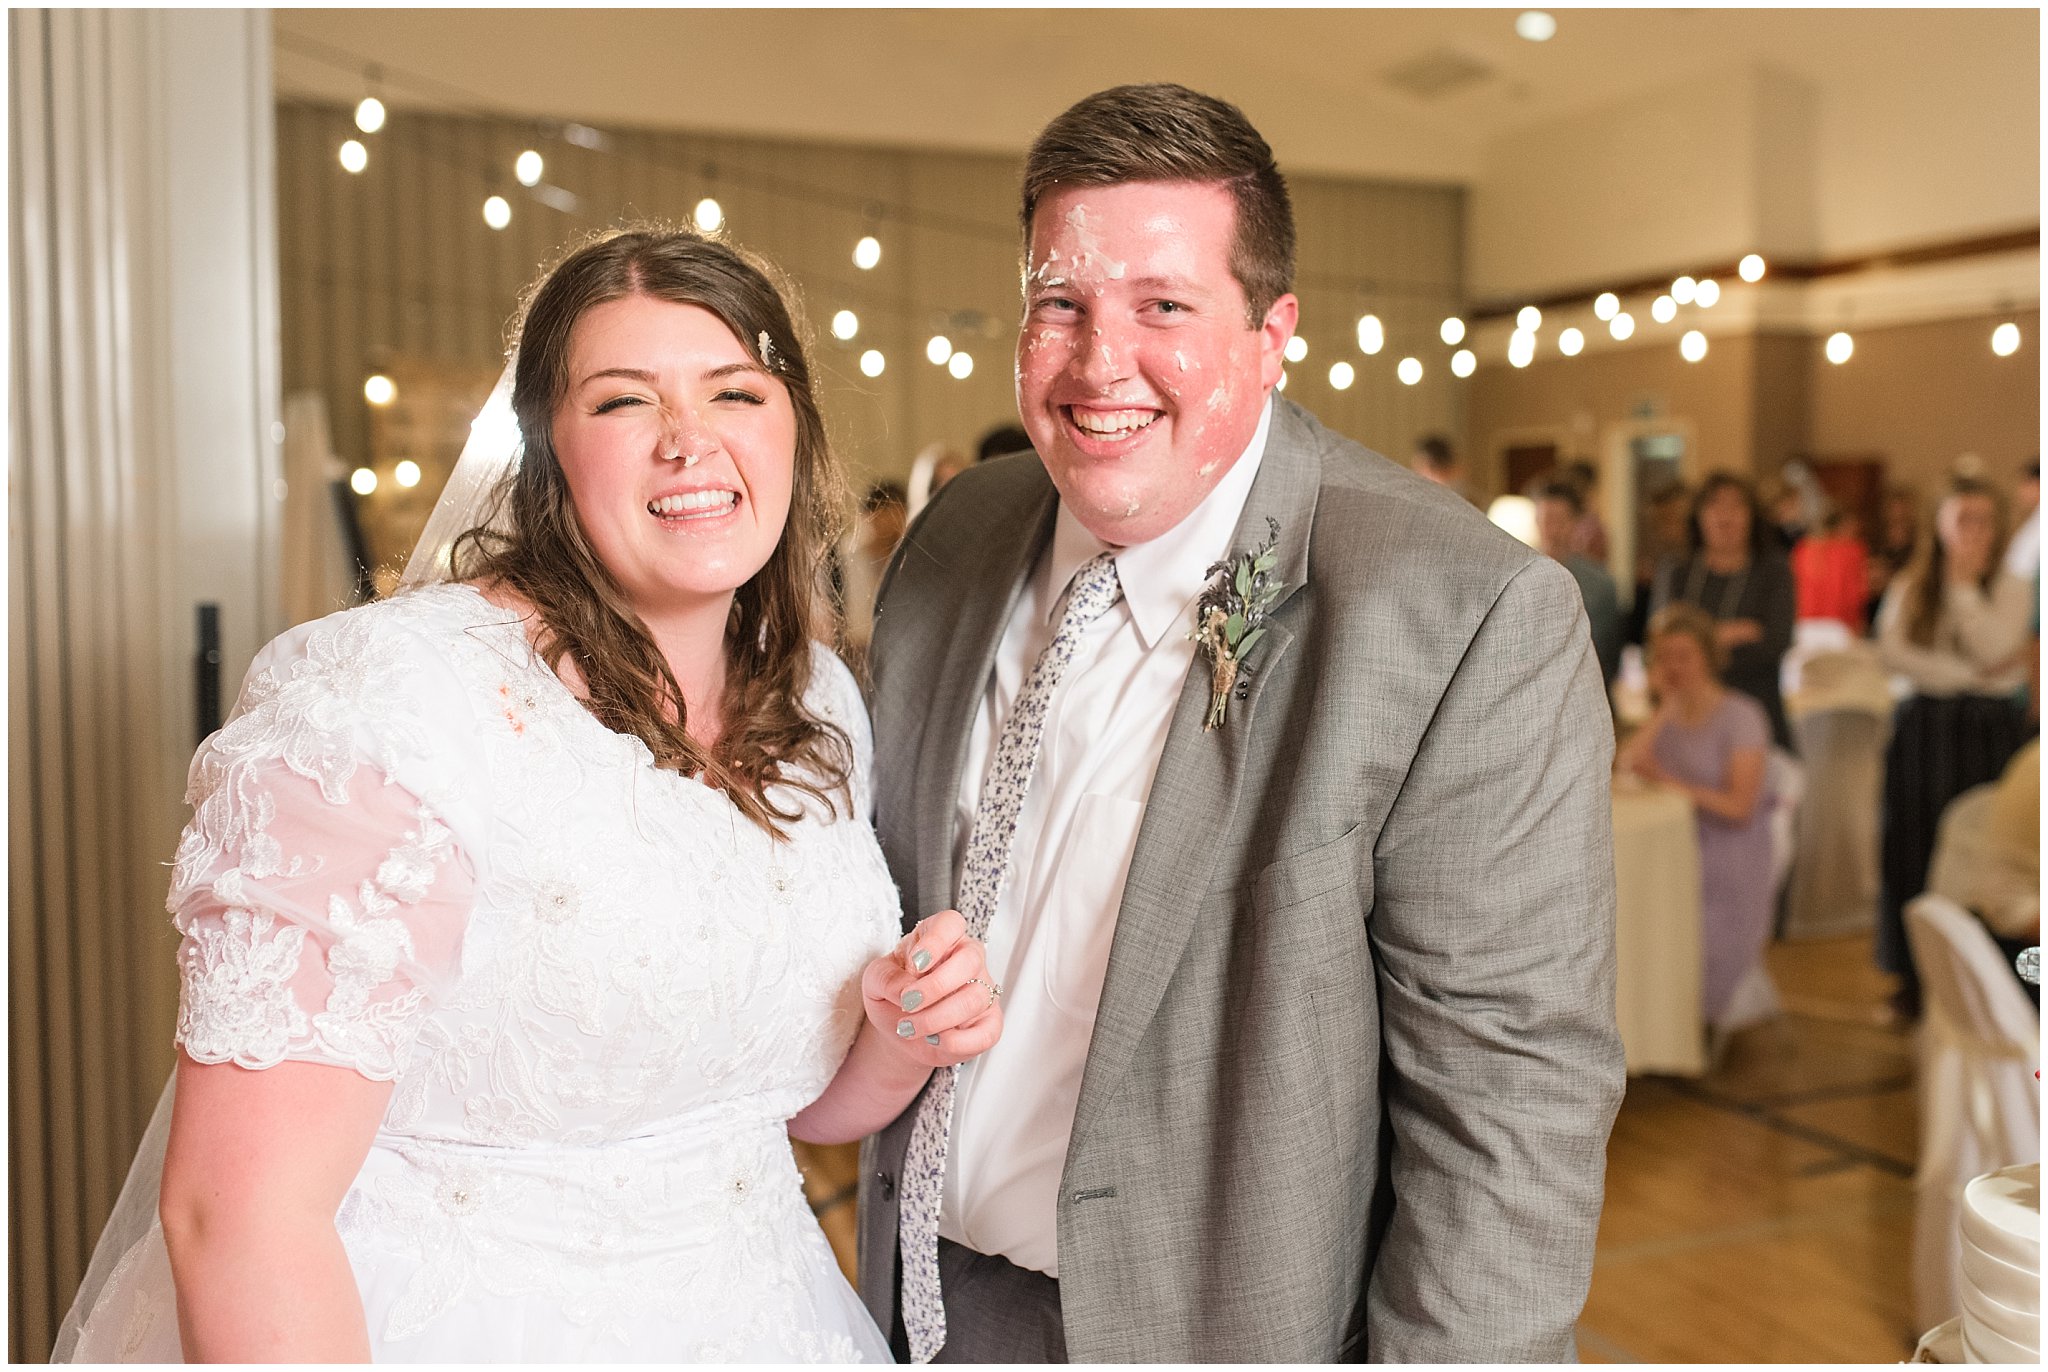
(1230, 618)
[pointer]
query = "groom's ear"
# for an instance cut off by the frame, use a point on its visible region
(1274, 332)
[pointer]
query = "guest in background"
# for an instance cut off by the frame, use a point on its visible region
(1001, 441)
(1734, 571)
(1713, 744)
(1987, 857)
(930, 470)
(864, 554)
(1831, 570)
(1898, 540)
(1956, 626)
(1558, 508)
(1589, 536)
(1666, 519)
(1437, 461)
(2023, 554)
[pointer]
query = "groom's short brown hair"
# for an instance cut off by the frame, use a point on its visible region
(1164, 132)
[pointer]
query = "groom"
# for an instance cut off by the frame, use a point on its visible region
(1309, 1050)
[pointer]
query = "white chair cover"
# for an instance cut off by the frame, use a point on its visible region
(1980, 1106)
(1834, 881)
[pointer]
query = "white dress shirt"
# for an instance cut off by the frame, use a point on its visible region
(1048, 940)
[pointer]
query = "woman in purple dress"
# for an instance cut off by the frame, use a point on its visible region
(1713, 744)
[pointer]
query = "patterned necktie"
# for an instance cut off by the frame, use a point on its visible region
(982, 877)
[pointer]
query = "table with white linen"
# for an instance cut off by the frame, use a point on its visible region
(1657, 930)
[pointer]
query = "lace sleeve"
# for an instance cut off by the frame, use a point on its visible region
(323, 885)
(835, 697)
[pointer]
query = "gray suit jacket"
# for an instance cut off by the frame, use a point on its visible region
(1351, 1081)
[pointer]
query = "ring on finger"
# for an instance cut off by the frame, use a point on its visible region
(994, 991)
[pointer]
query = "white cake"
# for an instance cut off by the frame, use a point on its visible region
(2002, 1266)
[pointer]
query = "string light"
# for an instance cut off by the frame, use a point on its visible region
(1452, 332)
(1282, 384)
(1297, 348)
(1341, 376)
(708, 215)
(1840, 348)
(867, 253)
(370, 114)
(1751, 268)
(872, 362)
(528, 168)
(1410, 370)
(497, 212)
(1663, 309)
(1622, 325)
(960, 365)
(1684, 289)
(362, 481)
(354, 157)
(1707, 294)
(1464, 362)
(1606, 305)
(2005, 339)
(938, 350)
(1693, 346)
(1536, 26)
(1529, 317)
(1571, 342)
(1372, 335)
(407, 473)
(1521, 347)
(380, 390)
(845, 324)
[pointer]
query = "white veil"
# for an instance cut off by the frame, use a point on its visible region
(130, 1270)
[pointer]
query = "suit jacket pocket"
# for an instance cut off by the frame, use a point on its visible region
(1316, 871)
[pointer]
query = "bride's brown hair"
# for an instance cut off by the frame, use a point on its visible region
(542, 553)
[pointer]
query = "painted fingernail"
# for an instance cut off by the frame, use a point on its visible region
(921, 960)
(912, 999)
(932, 1039)
(905, 1029)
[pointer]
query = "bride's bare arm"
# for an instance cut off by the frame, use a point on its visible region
(256, 1166)
(930, 1002)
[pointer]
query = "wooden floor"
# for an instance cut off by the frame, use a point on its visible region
(1760, 1214)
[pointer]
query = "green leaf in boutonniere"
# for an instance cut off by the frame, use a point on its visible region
(1230, 618)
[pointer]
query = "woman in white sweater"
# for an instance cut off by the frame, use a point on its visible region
(1959, 628)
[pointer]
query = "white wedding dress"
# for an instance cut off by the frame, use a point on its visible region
(600, 991)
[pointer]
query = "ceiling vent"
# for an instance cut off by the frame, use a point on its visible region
(1435, 75)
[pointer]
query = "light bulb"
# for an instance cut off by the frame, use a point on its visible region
(1536, 26)
(1410, 371)
(939, 349)
(1452, 331)
(1683, 290)
(1663, 309)
(1840, 348)
(1341, 376)
(960, 365)
(379, 390)
(1297, 348)
(708, 215)
(872, 362)
(370, 114)
(2005, 339)
(1571, 342)
(354, 156)
(1529, 317)
(1693, 346)
(1464, 362)
(1622, 325)
(362, 481)
(407, 473)
(1372, 335)
(1751, 268)
(1521, 347)
(497, 212)
(845, 324)
(867, 253)
(1282, 384)
(528, 168)
(1707, 294)
(1606, 305)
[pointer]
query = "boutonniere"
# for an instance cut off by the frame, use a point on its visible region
(1230, 618)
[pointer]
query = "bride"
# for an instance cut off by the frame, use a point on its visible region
(527, 914)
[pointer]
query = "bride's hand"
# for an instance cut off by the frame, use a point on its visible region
(932, 997)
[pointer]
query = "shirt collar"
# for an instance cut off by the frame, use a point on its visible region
(1162, 579)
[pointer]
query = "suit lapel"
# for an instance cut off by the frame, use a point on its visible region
(1194, 797)
(964, 661)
